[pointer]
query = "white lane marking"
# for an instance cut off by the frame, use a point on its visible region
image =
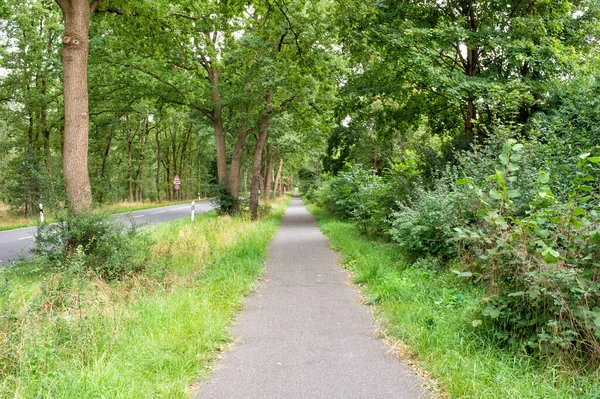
(156, 213)
(25, 238)
(138, 216)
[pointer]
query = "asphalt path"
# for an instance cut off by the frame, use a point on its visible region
(18, 242)
(304, 332)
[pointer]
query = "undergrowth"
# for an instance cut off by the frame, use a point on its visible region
(428, 310)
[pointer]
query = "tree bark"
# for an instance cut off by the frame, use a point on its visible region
(217, 121)
(470, 116)
(236, 160)
(269, 178)
(141, 162)
(130, 170)
(277, 177)
(45, 129)
(258, 152)
(74, 58)
(158, 193)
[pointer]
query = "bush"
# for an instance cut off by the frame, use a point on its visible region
(358, 195)
(225, 203)
(105, 246)
(427, 225)
(541, 266)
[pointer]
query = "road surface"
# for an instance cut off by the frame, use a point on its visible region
(304, 332)
(18, 242)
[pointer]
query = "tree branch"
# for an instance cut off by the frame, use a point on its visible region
(187, 101)
(94, 5)
(111, 10)
(64, 5)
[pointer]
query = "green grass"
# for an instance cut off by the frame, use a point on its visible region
(427, 313)
(150, 336)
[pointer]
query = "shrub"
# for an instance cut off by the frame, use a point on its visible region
(225, 203)
(543, 267)
(108, 248)
(358, 195)
(426, 226)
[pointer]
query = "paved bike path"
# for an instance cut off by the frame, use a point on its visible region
(304, 333)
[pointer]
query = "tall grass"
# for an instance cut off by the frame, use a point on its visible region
(149, 336)
(425, 315)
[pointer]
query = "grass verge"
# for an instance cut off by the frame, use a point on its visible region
(151, 335)
(425, 314)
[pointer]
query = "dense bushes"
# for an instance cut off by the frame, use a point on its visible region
(521, 219)
(97, 243)
(359, 195)
(542, 266)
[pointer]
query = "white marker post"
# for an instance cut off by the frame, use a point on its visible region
(41, 213)
(193, 208)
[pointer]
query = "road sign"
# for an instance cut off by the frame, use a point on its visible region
(177, 186)
(177, 182)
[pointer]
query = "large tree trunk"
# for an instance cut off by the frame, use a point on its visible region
(277, 177)
(75, 93)
(258, 152)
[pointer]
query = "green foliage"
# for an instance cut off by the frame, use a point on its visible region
(541, 266)
(428, 315)
(27, 184)
(425, 226)
(359, 195)
(225, 203)
(103, 246)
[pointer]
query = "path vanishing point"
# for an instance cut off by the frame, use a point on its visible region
(304, 332)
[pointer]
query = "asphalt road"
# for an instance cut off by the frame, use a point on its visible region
(18, 242)
(304, 332)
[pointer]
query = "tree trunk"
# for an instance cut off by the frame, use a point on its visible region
(277, 177)
(106, 155)
(269, 178)
(199, 181)
(236, 161)
(158, 193)
(258, 152)
(130, 170)
(45, 129)
(217, 121)
(75, 93)
(141, 162)
(470, 116)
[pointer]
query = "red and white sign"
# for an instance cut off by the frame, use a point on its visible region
(177, 182)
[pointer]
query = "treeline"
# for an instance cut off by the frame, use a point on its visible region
(468, 135)
(225, 95)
